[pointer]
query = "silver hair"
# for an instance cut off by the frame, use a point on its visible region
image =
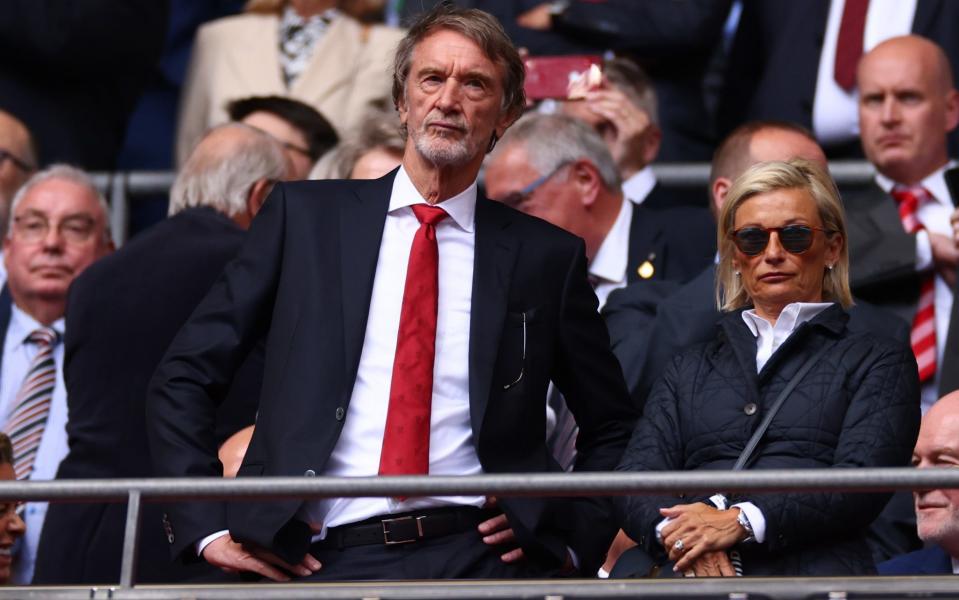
(66, 173)
(222, 180)
(554, 140)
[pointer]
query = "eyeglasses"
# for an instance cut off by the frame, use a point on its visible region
(33, 228)
(17, 162)
(514, 199)
(795, 239)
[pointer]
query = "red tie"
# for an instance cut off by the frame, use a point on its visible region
(406, 441)
(849, 43)
(924, 323)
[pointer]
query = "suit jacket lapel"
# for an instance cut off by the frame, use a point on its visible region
(493, 259)
(325, 72)
(644, 244)
(361, 231)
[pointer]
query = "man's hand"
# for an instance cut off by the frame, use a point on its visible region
(497, 531)
(232, 557)
(702, 529)
(945, 256)
(712, 564)
(628, 132)
(954, 219)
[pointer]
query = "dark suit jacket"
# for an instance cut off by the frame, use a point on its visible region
(928, 561)
(304, 278)
(773, 62)
(883, 256)
(123, 311)
(678, 241)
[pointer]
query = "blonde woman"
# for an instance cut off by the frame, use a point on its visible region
(783, 285)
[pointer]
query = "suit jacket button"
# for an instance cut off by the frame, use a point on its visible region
(750, 409)
(340, 413)
(309, 473)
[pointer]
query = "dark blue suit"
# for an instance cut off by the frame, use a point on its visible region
(928, 561)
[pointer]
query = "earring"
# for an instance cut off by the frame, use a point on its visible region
(738, 274)
(829, 267)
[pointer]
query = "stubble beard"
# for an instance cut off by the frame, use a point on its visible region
(444, 151)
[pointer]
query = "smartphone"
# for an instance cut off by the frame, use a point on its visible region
(952, 182)
(549, 76)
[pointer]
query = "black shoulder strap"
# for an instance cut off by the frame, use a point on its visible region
(780, 400)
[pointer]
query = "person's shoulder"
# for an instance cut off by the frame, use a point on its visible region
(227, 28)
(528, 227)
(926, 560)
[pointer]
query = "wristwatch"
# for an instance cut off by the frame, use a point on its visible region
(743, 521)
(558, 7)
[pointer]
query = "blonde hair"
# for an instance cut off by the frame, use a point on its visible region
(765, 177)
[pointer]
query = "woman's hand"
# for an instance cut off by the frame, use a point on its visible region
(712, 564)
(699, 528)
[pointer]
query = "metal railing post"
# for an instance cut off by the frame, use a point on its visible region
(130, 546)
(119, 207)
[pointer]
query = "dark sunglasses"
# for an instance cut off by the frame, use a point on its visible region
(796, 239)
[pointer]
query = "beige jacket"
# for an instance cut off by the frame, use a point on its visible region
(238, 56)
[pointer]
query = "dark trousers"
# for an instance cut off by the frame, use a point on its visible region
(456, 556)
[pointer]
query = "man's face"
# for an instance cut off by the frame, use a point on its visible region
(937, 511)
(13, 145)
(905, 111)
(57, 231)
(292, 139)
(11, 527)
(555, 199)
(453, 100)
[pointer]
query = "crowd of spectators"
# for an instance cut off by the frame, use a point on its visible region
(307, 309)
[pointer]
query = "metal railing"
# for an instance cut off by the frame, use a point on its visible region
(122, 187)
(136, 491)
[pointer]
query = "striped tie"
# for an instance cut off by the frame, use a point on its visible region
(32, 405)
(923, 336)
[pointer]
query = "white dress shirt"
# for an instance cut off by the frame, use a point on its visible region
(934, 216)
(835, 115)
(357, 452)
(637, 187)
(17, 355)
(608, 267)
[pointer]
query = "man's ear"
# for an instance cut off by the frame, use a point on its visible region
(651, 144)
(257, 196)
(719, 190)
(952, 110)
(585, 176)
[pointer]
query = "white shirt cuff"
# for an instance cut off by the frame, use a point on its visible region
(206, 541)
(756, 519)
(923, 251)
(659, 530)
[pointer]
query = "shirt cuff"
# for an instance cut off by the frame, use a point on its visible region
(206, 541)
(659, 530)
(923, 251)
(756, 519)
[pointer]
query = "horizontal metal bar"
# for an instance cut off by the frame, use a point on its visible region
(532, 484)
(648, 589)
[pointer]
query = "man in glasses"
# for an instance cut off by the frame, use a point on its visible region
(303, 132)
(58, 227)
(557, 168)
(900, 240)
(18, 160)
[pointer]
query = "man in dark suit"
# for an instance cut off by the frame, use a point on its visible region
(557, 168)
(937, 511)
(900, 238)
(412, 327)
(783, 61)
(122, 316)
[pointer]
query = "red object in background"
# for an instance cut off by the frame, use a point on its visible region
(549, 76)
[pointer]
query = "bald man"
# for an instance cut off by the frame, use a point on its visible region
(907, 107)
(18, 160)
(937, 510)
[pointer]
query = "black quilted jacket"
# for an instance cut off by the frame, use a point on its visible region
(857, 407)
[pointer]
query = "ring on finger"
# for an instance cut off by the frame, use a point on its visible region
(679, 546)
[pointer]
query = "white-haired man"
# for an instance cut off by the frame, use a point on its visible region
(58, 227)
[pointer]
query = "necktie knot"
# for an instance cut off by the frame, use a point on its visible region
(44, 336)
(429, 215)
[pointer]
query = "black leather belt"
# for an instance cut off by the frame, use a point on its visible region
(405, 528)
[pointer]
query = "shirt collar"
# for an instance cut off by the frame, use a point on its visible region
(935, 183)
(461, 207)
(609, 264)
(22, 325)
(792, 316)
(637, 187)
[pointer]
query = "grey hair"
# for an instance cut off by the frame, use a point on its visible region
(554, 140)
(222, 180)
(63, 172)
(380, 129)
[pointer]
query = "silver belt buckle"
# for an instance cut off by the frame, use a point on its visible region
(387, 530)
